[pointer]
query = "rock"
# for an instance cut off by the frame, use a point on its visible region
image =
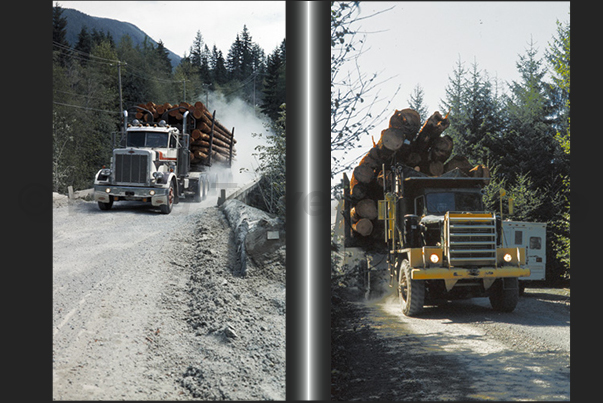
(229, 332)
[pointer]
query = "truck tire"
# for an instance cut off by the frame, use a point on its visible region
(167, 208)
(105, 206)
(504, 294)
(205, 188)
(411, 292)
(197, 196)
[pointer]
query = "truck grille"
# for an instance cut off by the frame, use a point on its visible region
(470, 239)
(131, 168)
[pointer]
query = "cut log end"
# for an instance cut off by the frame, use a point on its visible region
(364, 226)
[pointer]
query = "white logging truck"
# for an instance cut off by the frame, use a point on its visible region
(159, 161)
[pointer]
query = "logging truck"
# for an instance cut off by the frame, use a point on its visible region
(154, 162)
(438, 242)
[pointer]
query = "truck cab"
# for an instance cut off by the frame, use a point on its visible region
(153, 165)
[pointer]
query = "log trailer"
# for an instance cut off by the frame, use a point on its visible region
(153, 166)
(438, 242)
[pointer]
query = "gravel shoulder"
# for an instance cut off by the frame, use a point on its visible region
(146, 307)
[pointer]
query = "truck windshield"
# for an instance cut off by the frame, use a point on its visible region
(440, 203)
(147, 139)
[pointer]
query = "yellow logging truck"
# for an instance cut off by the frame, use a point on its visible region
(439, 243)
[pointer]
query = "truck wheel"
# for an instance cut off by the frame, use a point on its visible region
(197, 197)
(411, 292)
(167, 208)
(504, 294)
(105, 206)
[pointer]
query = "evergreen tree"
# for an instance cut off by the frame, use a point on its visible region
(218, 67)
(59, 24)
(204, 68)
(84, 45)
(558, 57)
(274, 83)
(234, 60)
(247, 55)
(529, 139)
(164, 63)
(59, 34)
(482, 115)
(416, 102)
(454, 104)
(196, 49)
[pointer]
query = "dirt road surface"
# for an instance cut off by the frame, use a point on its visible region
(461, 350)
(146, 306)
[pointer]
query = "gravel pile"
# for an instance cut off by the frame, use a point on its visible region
(239, 322)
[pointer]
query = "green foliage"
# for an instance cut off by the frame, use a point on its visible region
(86, 116)
(272, 164)
(527, 200)
(416, 102)
(474, 111)
(517, 135)
(274, 82)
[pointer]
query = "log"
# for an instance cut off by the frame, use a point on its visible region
(432, 129)
(408, 120)
(370, 162)
(364, 226)
(441, 149)
(458, 161)
(363, 173)
(413, 159)
(480, 171)
(358, 190)
(366, 208)
(391, 139)
(196, 134)
(436, 168)
(380, 156)
(256, 232)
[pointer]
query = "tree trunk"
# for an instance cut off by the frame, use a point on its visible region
(407, 120)
(441, 149)
(366, 208)
(357, 189)
(460, 162)
(433, 127)
(364, 226)
(391, 139)
(363, 173)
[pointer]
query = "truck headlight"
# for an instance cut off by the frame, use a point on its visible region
(108, 190)
(105, 172)
(507, 257)
(434, 258)
(151, 192)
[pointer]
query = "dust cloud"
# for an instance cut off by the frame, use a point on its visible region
(245, 120)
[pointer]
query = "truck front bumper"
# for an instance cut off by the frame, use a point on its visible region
(460, 273)
(107, 193)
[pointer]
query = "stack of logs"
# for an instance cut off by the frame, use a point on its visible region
(426, 153)
(199, 125)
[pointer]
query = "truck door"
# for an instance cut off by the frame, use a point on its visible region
(536, 252)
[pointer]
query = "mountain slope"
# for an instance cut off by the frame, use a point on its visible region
(76, 20)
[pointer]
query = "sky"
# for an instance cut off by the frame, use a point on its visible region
(421, 42)
(176, 22)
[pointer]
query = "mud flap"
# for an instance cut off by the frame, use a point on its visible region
(510, 284)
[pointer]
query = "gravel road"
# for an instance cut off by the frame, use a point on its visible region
(146, 306)
(461, 350)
